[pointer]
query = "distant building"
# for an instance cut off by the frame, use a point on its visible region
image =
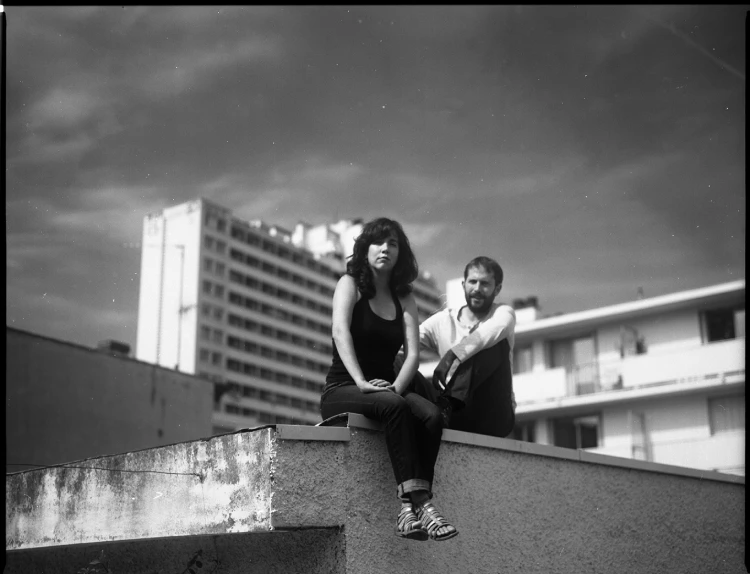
(247, 305)
(660, 379)
(65, 402)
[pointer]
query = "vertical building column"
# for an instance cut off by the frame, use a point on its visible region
(541, 431)
(539, 354)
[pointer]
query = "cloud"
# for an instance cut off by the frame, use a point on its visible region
(113, 212)
(174, 73)
(64, 124)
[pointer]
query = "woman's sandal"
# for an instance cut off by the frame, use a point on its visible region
(432, 521)
(408, 525)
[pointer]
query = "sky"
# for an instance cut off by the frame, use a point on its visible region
(592, 151)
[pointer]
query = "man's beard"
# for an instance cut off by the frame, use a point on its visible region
(482, 307)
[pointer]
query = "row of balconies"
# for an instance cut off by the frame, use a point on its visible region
(703, 362)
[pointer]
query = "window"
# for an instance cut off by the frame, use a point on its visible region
(524, 431)
(221, 247)
(219, 269)
(208, 242)
(205, 333)
(576, 432)
(216, 358)
(723, 324)
(522, 359)
(726, 414)
(217, 335)
(204, 355)
(208, 264)
(238, 233)
(578, 357)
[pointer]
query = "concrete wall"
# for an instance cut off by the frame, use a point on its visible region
(64, 403)
(312, 499)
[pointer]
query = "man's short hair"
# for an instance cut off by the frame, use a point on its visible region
(489, 265)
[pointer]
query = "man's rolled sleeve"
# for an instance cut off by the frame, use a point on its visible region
(489, 332)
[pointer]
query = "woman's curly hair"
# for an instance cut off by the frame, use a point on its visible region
(404, 272)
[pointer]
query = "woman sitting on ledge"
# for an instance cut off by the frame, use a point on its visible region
(374, 313)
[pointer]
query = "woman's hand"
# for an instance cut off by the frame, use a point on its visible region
(374, 386)
(398, 389)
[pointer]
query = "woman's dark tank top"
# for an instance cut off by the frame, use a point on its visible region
(376, 342)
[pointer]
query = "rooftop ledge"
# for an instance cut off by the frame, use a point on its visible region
(530, 507)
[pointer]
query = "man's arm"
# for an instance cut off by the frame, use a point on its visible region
(498, 326)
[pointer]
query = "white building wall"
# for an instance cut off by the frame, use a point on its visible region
(678, 432)
(170, 279)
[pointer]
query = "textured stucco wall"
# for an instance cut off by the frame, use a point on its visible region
(65, 403)
(518, 507)
(521, 512)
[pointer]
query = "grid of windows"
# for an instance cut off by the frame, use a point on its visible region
(283, 294)
(280, 334)
(275, 354)
(278, 313)
(212, 311)
(215, 245)
(273, 375)
(273, 397)
(264, 417)
(280, 272)
(211, 334)
(283, 252)
(212, 357)
(214, 267)
(215, 221)
(213, 289)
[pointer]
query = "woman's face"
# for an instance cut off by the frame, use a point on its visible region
(383, 255)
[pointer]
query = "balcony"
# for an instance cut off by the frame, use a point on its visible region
(723, 361)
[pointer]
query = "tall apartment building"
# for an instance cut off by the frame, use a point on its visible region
(660, 379)
(247, 305)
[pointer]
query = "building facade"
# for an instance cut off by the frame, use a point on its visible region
(247, 305)
(660, 379)
(65, 402)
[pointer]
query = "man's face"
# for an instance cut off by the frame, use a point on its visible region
(480, 289)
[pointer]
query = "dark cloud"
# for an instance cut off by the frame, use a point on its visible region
(592, 150)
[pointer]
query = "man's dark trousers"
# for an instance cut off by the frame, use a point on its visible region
(484, 384)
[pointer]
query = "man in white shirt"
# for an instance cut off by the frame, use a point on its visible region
(473, 383)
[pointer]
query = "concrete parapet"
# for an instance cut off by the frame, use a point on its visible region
(323, 499)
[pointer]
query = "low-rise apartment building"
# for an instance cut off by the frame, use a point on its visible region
(659, 379)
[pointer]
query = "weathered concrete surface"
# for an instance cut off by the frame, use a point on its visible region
(221, 485)
(314, 551)
(518, 507)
